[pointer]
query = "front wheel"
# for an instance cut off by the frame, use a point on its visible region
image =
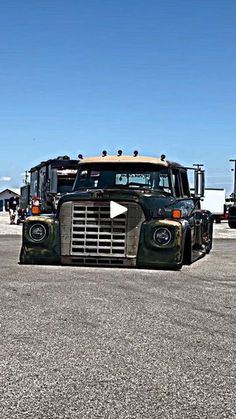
(209, 244)
(187, 252)
(232, 224)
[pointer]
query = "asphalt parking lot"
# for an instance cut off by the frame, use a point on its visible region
(118, 343)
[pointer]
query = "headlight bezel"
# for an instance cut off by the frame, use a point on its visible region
(37, 225)
(165, 242)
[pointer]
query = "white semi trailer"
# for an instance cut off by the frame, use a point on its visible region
(214, 201)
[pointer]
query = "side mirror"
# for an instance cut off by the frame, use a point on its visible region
(199, 183)
(53, 182)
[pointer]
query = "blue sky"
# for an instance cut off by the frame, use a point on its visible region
(154, 75)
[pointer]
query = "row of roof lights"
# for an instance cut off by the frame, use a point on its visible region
(119, 153)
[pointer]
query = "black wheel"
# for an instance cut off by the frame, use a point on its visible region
(187, 256)
(232, 224)
(209, 244)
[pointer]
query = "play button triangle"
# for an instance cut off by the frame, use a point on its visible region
(116, 209)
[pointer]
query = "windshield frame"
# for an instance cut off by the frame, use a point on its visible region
(154, 172)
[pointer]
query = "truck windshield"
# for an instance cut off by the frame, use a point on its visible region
(65, 183)
(123, 176)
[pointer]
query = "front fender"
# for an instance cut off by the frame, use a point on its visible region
(150, 254)
(46, 251)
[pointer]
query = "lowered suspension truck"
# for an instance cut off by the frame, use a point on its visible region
(124, 211)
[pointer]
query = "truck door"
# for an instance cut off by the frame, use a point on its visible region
(184, 202)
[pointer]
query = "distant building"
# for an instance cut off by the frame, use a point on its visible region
(5, 195)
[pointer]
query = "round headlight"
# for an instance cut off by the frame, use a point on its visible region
(162, 236)
(37, 232)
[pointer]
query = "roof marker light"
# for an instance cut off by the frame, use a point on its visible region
(80, 156)
(163, 156)
(104, 153)
(119, 153)
(135, 153)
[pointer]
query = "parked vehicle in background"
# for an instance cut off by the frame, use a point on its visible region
(21, 216)
(125, 211)
(49, 180)
(24, 202)
(232, 216)
(214, 201)
(13, 208)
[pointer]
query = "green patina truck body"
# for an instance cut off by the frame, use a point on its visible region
(162, 227)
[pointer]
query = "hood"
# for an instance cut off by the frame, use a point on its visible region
(155, 204)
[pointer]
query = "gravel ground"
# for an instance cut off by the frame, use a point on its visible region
(88, 343)
(6, 228)
(85, 343)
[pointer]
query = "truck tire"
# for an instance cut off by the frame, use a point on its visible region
(232, 224)
(187, 256)
(209, 245)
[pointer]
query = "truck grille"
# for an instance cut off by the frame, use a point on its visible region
(94, 233)
(90, 236)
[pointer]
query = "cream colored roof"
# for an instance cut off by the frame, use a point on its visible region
(125, 159)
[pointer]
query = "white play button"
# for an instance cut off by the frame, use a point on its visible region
(116, 209)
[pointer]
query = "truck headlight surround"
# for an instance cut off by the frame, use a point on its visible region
(162, 236)
(37, 232)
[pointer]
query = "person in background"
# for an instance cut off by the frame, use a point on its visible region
(13, 206)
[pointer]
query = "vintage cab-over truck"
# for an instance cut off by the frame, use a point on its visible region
(160, 224)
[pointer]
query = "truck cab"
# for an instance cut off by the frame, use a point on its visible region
(49, 180)
(161, 226)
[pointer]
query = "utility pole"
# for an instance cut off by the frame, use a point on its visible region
(234, 160)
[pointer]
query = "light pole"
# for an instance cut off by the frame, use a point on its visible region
(234, 160)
